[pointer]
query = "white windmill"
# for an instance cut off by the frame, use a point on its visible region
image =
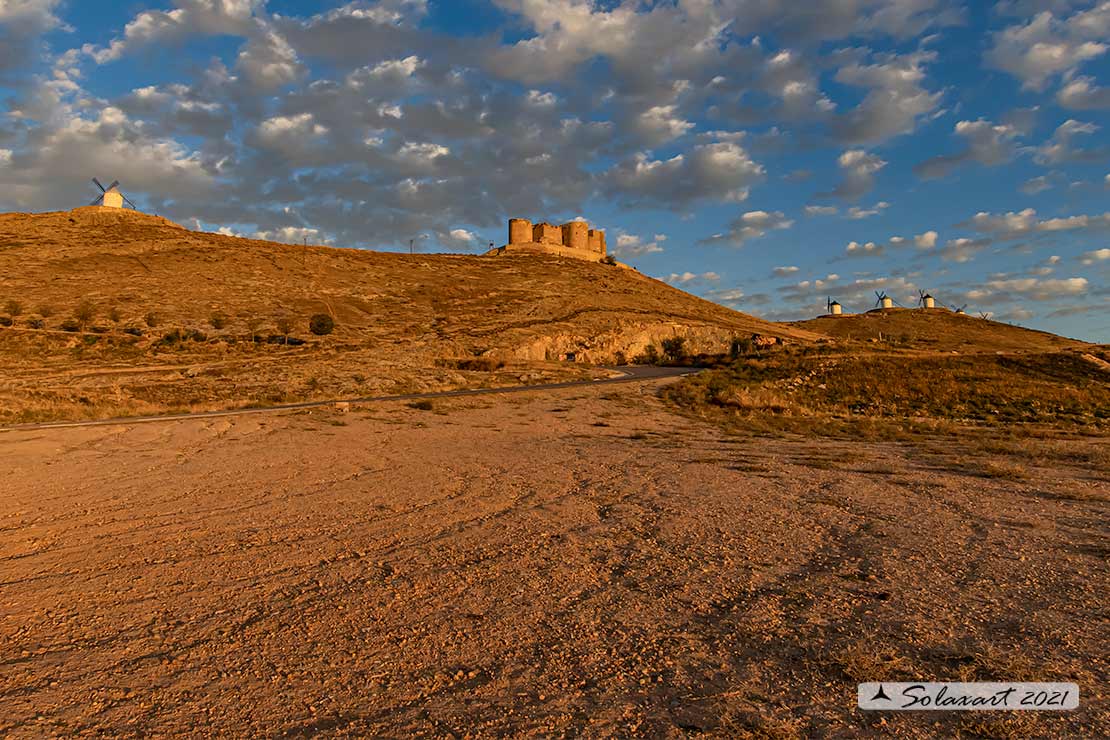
(111, 197)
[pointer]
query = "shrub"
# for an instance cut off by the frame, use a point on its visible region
(421, 405)
(70, 325)
(321, 324)
(6, 321)
(217, 321)
(114, 314)
(195, 334)
(650, 356)
(35, 322)
(45, 310)
(133, 331)
(85, 312)
(13, 307)
(620, 358)
(674, 348)
(152, 319)
(608, 260)
(284, 324)
(739, 346)
(172, 337)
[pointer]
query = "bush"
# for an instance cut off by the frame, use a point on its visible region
(13, 307)
(674, 349)
(422, 405)
(152, 319)
(321, 324)
(217, 321)
(6, 321)
(172, 337)
(650, 356)
(133, 331)
(114, 314)
(35, 322)
(85, 312)
(608, 260)
(620, 358)
(739, 347)
(284, 324)
(70, 325)
(45, 310)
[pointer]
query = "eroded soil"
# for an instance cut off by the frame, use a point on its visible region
(574, 562)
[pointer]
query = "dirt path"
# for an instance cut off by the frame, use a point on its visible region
(565, 562)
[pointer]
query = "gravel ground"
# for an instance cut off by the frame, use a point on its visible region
(576, 562)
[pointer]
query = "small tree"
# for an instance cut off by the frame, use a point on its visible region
(321, 324)
(217, 321)
(85, 312)
(253, 325)
(114, 314)
(45, 310)
(608, 260)
(13, 307)
(152, 319)
(739, 347)
(674, 349)
(284, 324)
(650, 355)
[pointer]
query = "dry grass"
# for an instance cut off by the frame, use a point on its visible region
(207, 315)
(827, 391)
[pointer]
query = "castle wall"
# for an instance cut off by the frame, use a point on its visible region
(545, 233)
(520, 231)
(593, 242)
(576, 235)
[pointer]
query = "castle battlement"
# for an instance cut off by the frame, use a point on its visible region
(573, 239)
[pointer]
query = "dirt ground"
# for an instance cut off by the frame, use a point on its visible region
(562, 563)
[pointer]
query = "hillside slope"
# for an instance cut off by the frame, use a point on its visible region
(403, 322)
(937, 329)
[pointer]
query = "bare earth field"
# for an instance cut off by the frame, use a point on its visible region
(557, 563)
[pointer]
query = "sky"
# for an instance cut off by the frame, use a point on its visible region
(764, 154)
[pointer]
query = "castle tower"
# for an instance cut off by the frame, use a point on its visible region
(594, 241)
(545, 233)
(576, 235)
(601, 239)
(520, 231)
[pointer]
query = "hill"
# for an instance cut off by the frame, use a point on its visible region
(936, 329)
(172, 319)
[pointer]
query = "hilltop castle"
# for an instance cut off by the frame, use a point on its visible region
(574, 239)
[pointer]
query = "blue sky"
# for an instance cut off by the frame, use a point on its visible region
(765, 154)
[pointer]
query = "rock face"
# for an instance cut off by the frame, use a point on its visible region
(573, 239)
(623, 342)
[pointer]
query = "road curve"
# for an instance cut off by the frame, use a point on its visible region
(630, 374)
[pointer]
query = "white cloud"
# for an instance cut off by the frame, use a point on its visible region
(896, 101)
(1047, 46)
(821, 210)
(686, 278)
(867, 249)
(928, 240)
(987, 143)
(785, 271)
(1060, 147)
(1096, 255)
(722, 171)
(858, 169)
(1083, 93)
(1012, 225)
(629, 245)
(856, 213)
(1034, 289)
(660, 124)
(751, 225)
(291, 235)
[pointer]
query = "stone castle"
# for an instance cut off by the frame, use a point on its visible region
(574, 239)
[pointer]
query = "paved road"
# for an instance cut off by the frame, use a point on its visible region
(630, 374)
